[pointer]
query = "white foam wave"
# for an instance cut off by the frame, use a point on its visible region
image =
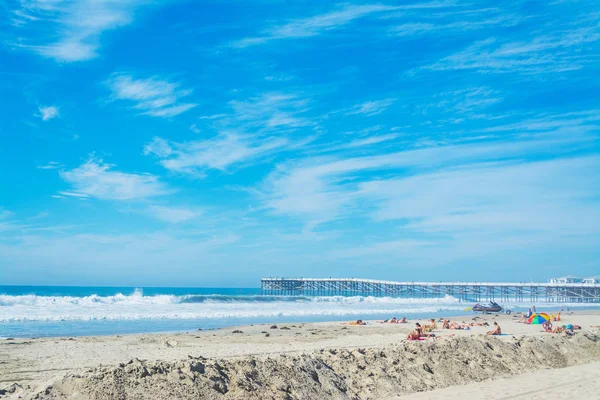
(138, 306)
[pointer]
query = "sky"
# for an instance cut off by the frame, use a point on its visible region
(211, 143)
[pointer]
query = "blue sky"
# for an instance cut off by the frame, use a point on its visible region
(212, 143)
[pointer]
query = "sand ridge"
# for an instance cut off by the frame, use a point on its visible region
(372, 373)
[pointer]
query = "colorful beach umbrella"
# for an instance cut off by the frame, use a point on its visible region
(538, 318)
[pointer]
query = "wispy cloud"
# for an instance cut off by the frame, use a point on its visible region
(50, 165)
(314, 25)
(326, 188)
(220, 153)
(194, 128)
(47, 113)
(543, 54)
(5, 214)
(69, 30)
(271, 110)
(96, 179)
(479, 209)
(152, 96)
(371, 108)
(511, 197)
(371, 140)
(470, 21)
(173, 215)
(464, 101)
(256, 128)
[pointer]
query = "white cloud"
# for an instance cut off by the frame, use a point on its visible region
(50, 165)
(255, 129)
(48, 112)
(579, 122)
(153, 96)
(476, 210)
(371, 140)
(532, 197)
(194, 128)
(219, 153)
(464, 101)
(315, 25)
(173, 215)
(72, 194)
(96, 179)
(270, 110)
(76, 25)
(5, 214)
(554, 52)
(477, 21)
(371, 108)
(326, 188)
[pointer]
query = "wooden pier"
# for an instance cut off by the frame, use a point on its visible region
(467, 291)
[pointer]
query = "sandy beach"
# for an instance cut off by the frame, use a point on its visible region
(312, 360)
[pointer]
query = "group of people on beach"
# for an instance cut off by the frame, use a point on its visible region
(547, 326)
(446, 324)
(425, 331)
(421, 332)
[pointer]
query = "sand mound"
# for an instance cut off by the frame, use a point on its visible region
(403, 368)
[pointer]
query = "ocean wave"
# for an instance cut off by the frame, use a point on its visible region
(137, 298)
(218, 306)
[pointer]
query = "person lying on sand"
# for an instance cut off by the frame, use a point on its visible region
(479, 324)
(496, 330)
(446, 324)
(358, 322)
(403, 320)
(459, 326)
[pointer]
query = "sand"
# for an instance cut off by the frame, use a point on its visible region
(294, 361)
(578, 382)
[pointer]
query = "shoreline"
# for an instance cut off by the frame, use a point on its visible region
(32, 363)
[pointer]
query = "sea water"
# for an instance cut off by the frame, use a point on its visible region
(28, 311)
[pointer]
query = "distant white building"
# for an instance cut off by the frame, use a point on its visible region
(566, 279)
(592, 280)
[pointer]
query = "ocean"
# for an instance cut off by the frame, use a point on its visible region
(40, 311)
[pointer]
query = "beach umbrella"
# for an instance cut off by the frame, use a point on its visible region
(538, 318)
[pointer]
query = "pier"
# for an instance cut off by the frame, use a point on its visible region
(467, 291)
